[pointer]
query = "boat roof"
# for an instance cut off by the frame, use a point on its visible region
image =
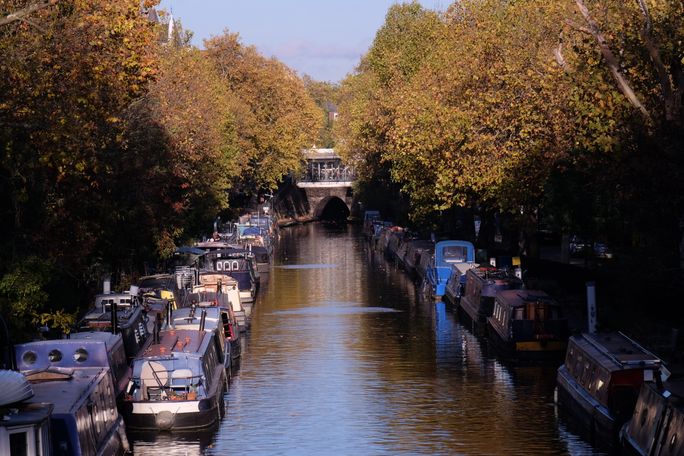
(186, 318)
(86, 350)
(463, 268)
(424, 244)
(228, 253)
(186, 249)
(615, 351)
(212, 277)
(450, 251)
(68, 393)
(157, 281)
(213, 245)
(177, 341)
(24, 414)
(518, 298)
(493, 274)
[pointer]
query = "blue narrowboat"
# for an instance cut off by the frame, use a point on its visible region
(69, 375)
(435, 269)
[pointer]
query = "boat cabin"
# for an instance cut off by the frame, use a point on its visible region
(481, 287)
(657, 424)
(528, 325)
(601, 378)
(75, 376)
(436, 269)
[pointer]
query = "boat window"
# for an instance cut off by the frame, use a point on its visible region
(29, 357)
(519, 313)
(19, 443)
(455, 254)
(80, 355)
(55, 356)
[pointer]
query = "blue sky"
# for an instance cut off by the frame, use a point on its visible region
(324, 39)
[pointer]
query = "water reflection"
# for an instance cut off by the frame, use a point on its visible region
(348, 360)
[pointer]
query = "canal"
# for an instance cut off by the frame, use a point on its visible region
(343, 358)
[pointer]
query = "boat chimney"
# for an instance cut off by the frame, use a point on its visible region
(115, 316)
(169, 316)
(106, 284)
(591, 307)
(203, 319)
(157, 328)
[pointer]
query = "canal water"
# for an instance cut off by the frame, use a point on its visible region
(344, 358)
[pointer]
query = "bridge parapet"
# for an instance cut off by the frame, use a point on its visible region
(324, 168)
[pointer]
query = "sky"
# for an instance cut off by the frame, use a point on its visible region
(324, 39)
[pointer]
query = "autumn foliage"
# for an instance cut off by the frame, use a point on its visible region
(571, 109)
(118, 143)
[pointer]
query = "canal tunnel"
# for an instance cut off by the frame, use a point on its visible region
(332, 209)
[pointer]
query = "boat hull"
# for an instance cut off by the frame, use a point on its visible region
(593, 416)
(173, 415)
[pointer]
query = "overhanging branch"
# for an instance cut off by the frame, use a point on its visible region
(22, 13)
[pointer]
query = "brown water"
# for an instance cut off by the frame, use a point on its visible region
(343, 358)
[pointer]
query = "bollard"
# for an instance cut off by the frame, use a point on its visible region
(591, 307)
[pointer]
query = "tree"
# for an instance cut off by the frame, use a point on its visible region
(279, 118)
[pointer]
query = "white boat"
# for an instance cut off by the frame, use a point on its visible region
(177, 385)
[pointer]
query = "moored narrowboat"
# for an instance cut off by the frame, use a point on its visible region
(24, 425)
(415, 249)
(68, 374)
(436, 269)
(657, 424)
(237, 263)
(600, 380)
(223, 284)
(481, 286)
(527, 325)
(177, 385)
(119, 313)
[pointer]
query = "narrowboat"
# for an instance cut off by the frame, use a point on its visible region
(262, 257)
(369, 217)
(65, 373)
(435, 269)
(24, 425)
(455, 287)
(162, 286)
(177, 385)
(657, 424)
(119, 313)
(208, 315)
(600, 380)
(415, 249)
(527, 325)
(481, 286)
(238, 264)
(394, 240)
(226, 286)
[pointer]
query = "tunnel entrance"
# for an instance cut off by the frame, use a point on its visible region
(333, 210)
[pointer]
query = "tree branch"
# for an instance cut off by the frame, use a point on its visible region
(19, 15)
(654, 53)
(558, 53)
(611, 61)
